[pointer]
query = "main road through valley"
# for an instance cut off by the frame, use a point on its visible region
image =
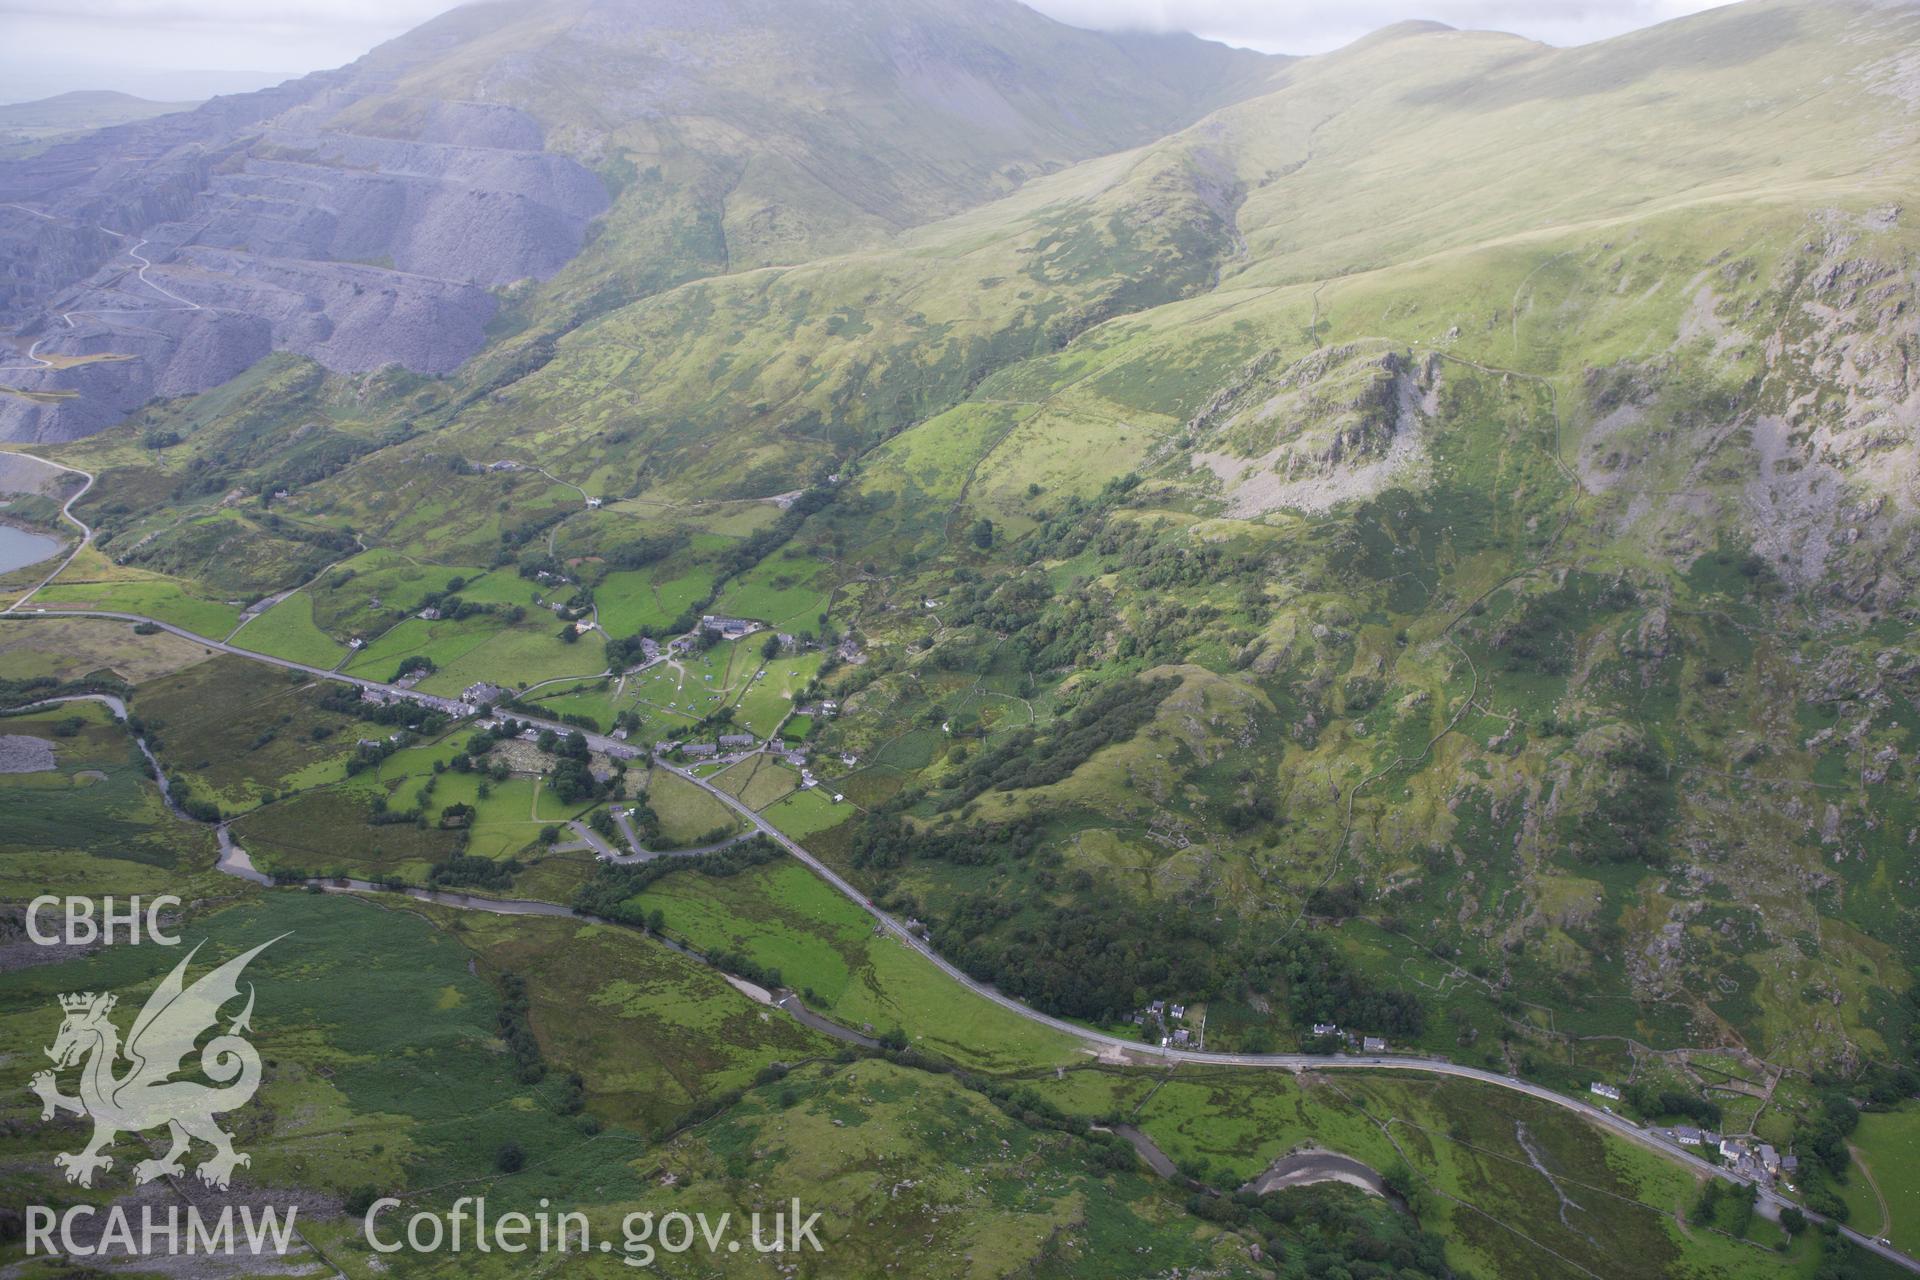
(1099, 1042)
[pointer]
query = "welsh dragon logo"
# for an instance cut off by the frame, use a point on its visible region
(145, 1096)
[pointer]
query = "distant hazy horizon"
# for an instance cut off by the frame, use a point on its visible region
(31, 84)
(182, 50)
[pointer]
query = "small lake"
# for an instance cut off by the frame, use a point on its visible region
(18, 548)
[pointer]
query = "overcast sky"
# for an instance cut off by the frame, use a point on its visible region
(188, 48)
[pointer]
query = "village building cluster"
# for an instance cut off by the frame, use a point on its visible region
(1756, 1161)
(1352, 1040)
(728, 628)
(1178, 1026)
(1750, 1158)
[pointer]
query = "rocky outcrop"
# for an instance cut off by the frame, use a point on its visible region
(1784, 418)
(1333, 427)
(1838, 452)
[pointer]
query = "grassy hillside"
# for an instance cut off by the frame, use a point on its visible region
(1430, 547)
(1493, 500)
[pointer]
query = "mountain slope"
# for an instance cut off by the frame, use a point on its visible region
(76, 111)
(1446, 522)
(366, 216)
(1409, 145)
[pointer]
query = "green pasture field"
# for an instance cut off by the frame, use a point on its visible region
(787, 592)
(287, 631)
(480, 648)
(506, 586)
(687, 814)
(592, 699)
(1889, 1143)
(344, 597)
(632, 600)
(504, 822)
(692, 686)
(787, 918)
(166, 599)
(770, 692)
(806, 813)
(548, 807)
(758, 781)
